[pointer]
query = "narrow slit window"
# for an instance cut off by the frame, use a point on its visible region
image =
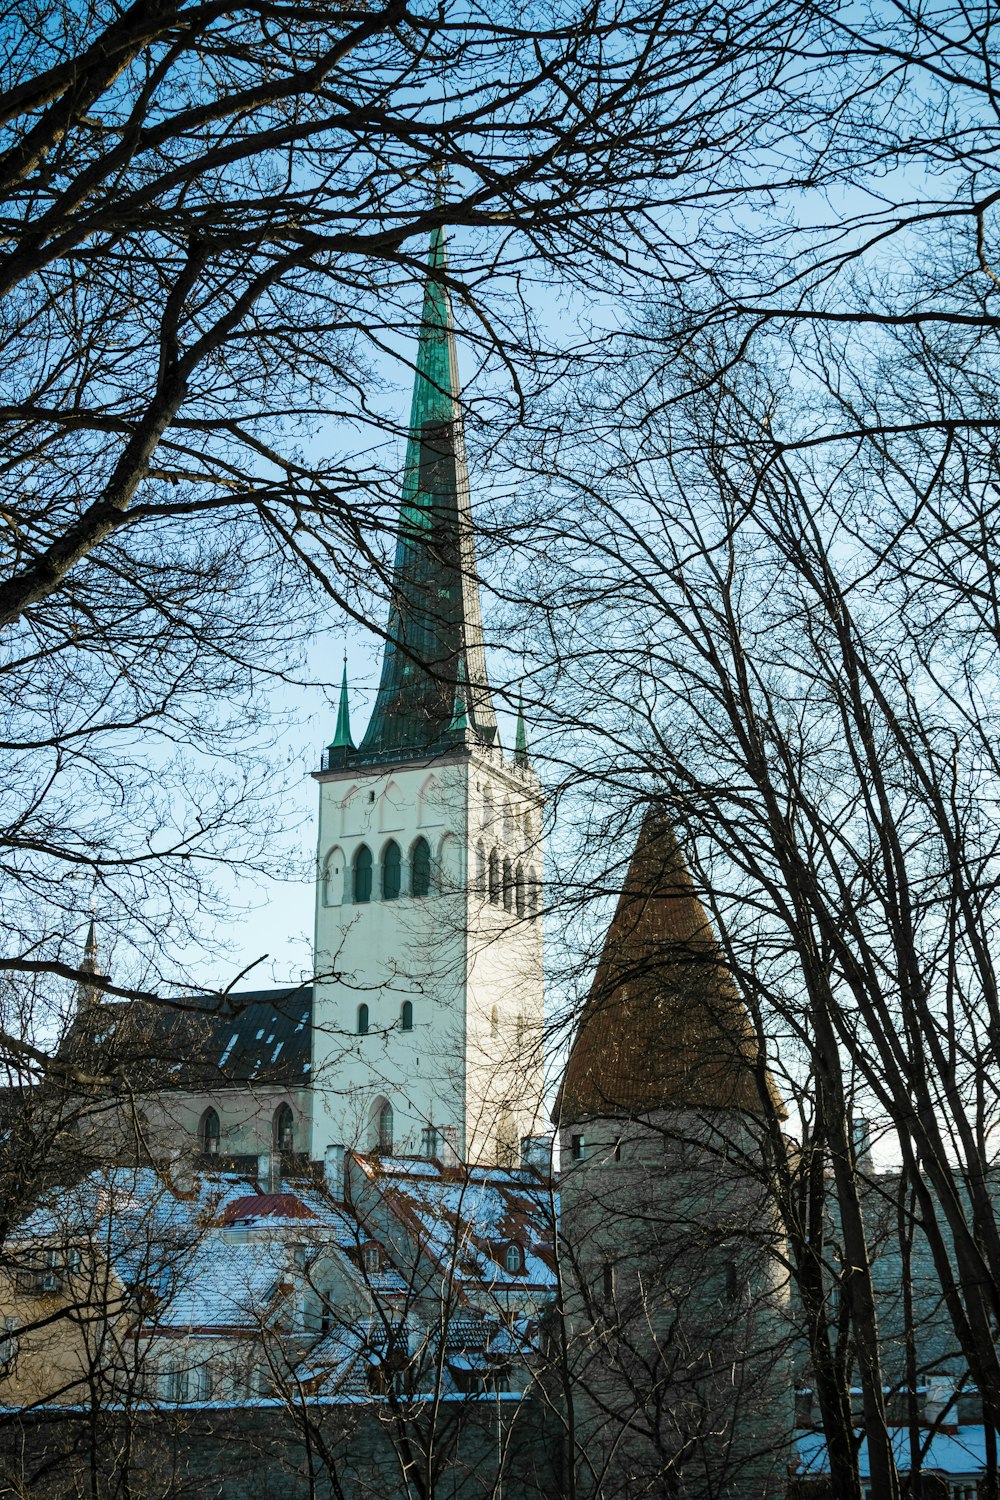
(420, 868)
(392, 871)
(362, 873)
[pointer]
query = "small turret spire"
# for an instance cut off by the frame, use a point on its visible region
(521, 737)
(88, 994)
(342, 734)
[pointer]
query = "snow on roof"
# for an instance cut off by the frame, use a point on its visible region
(466, 1218)
(227, 1285)
(962, 1451)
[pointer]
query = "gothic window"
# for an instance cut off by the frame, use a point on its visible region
(508, 885)
(532, 894)
(519, 890)
(494, 877)
(513, 1260)
(362, 875)
(480, 870)
(392, 866)
(284, 1128)
(362, 1020)
(209, 1133)
(420, 868)
(383, 1129)
(406, 1016)
(333, 878)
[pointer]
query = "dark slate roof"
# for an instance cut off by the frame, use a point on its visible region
(434, 693)
(201, 1041)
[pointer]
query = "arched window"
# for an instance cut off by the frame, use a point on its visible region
(362, 875)
(209, 1132)
(392, 866)
(519, 890)
(480, 870)
(513, 1260)
(406, 1016)
(284, 1128)
(494, 877)
(382, 1121)
(362, 1020)
(333, 878)
(508, 885)
(420, 868)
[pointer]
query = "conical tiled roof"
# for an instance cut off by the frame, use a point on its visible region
(663, 1026)
(435, 625)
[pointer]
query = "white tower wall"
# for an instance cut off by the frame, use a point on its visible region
(469, 1070)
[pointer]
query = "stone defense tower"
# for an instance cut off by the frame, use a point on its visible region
(675, 1301)
(427, 1013)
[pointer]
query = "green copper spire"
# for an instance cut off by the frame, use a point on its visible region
(521, 737)
(435, 628)
(342, 734)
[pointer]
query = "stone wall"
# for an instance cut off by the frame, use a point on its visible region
(264, 1452)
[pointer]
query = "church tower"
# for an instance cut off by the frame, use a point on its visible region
(427, 1011)
(676, 1300)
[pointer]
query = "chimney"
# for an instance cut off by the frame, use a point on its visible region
(536, 1152)
(269, 1171)
(333, 1170)
(861, 1143)
(448, 1153)
(939, 1399)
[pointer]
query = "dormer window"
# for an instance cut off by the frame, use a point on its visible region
(513, 1260)
(371, 1258)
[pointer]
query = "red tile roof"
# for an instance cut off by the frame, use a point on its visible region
(266, 1206)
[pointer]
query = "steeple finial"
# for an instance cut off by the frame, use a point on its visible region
(521, 736)
(342, 734)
